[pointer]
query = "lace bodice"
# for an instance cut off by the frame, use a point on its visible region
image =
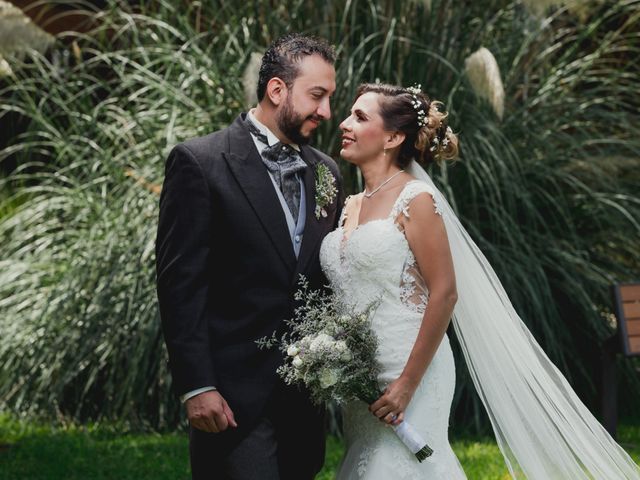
(374, 264)
(374, 261)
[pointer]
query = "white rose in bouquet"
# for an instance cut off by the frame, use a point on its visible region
(328, 377)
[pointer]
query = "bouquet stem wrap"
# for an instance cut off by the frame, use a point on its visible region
(413, 440)
(405, 432)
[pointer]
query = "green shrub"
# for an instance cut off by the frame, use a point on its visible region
(549, 191)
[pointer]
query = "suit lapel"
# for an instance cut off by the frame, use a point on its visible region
(314, 227)
(252, 176)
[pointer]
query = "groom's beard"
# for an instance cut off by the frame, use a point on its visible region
(290, 123)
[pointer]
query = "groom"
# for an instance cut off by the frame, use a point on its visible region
(243, 212)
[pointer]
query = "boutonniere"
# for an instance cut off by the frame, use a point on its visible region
(326, 190)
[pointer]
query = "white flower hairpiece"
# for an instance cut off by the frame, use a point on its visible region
(435, 143)
(418, 106)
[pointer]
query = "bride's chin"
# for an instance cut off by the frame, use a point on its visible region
(348, 156)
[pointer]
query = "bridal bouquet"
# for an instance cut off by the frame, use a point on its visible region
(331, 350)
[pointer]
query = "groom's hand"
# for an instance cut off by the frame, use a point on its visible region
(209, 412)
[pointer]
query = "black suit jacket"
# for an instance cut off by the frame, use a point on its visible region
(226, 268)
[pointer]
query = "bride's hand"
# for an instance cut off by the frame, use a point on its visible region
(390, 407)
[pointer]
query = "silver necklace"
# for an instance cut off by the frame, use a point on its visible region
(370, 194)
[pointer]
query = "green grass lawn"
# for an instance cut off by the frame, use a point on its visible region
(30, 450)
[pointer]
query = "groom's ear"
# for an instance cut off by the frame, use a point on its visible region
(277, 91)
(394, 139)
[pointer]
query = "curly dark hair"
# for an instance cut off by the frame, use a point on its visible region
(282, 57)
(431, 142)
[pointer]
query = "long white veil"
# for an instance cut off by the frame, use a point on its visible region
(542, 428)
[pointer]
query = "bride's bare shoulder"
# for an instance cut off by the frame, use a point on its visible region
(350, 209)
(353, 202)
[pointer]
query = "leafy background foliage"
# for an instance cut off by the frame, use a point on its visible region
(548, 191)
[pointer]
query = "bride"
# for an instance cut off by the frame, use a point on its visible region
(399, 243)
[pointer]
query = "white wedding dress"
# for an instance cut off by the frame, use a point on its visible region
(375, 263)
(543, 429)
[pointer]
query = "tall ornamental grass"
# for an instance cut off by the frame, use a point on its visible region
(546, 184)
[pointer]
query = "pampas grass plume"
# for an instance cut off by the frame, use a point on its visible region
(19, 33)
(484, 76)
(250, 79)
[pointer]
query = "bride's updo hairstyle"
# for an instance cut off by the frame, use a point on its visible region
(422, 120)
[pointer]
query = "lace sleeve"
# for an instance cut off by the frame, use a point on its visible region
(343, 215)
(413, 289)
(411, 191)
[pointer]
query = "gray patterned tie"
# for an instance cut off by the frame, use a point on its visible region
(284, 163)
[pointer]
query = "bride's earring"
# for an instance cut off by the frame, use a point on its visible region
(384, 152)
